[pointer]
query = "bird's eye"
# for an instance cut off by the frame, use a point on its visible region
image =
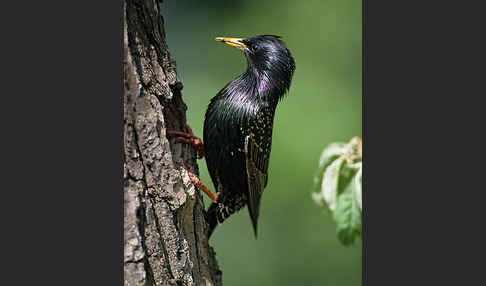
(254, 47)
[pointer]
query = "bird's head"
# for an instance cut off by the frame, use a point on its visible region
(267, 58)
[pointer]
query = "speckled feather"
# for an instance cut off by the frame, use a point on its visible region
(238, 129)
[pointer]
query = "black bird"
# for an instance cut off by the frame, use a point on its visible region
(238, 128)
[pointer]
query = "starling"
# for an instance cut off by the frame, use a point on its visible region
(238, 128)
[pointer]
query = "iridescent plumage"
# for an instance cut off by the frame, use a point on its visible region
(238, 127)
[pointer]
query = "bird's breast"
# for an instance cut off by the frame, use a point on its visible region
(226, 126)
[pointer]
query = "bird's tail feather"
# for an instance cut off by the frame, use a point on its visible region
(219, 212)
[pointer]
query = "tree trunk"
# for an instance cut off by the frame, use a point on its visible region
(165, 233)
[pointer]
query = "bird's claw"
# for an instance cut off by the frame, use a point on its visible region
(189, 138)
(197, 182)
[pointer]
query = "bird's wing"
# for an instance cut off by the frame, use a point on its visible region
(256, 170)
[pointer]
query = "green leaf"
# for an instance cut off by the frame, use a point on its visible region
(330, 183)
(331, 153)
(346, 176)
(348, 217)
(358, 187)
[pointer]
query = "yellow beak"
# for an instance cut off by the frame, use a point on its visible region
(233, 42)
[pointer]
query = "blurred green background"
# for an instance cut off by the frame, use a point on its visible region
(297, 243)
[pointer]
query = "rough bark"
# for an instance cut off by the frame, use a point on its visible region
(165, 241)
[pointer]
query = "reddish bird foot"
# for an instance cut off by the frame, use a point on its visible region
(195, 180)
(189, 138)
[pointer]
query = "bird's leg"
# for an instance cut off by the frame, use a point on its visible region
(195, 180)
(189, 138)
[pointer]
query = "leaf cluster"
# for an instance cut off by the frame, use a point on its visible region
(338, 186)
